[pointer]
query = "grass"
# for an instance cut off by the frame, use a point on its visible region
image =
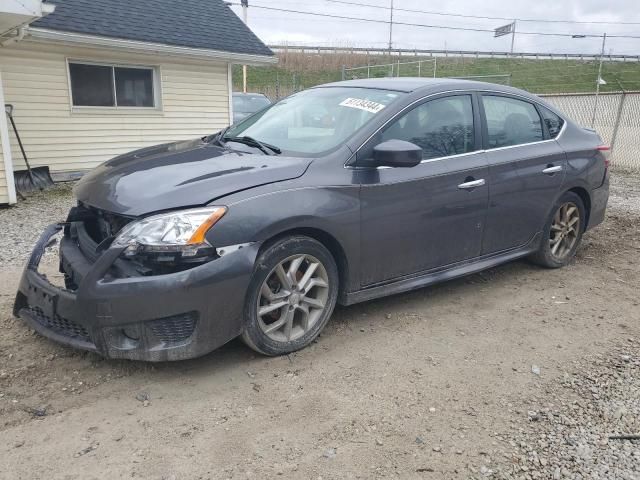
(296, 71)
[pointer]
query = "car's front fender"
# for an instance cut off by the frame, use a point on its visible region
(334, 210)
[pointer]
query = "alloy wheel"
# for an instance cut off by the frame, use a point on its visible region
(292, 298)
(565, 230)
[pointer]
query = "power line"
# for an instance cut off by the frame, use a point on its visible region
(424, 25)
(536, 20)
(361, 19)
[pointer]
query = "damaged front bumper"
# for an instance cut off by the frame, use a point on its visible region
(173, 316)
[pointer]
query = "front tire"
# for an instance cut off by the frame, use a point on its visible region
(291, 296)
(562, 233)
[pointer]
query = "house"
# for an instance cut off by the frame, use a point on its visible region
(91, 79)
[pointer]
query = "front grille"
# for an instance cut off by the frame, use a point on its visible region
(59, 324)
(110, 223)
(176, 328)
(99, 224)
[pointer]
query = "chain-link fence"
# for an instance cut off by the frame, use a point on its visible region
(615, 116)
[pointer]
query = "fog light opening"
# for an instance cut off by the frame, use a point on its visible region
(131, 333)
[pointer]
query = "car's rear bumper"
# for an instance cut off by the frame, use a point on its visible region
(155, 318)
(599, 200)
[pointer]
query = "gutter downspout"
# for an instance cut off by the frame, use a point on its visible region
(16, 38)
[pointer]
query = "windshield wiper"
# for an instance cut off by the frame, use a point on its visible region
(216, 137)
(252, 142)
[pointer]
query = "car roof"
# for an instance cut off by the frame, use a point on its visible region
(433, 85)
(248, 94)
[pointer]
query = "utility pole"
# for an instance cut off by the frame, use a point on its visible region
(391, 29)
(245, 7)
(598, 80)
(513, 36)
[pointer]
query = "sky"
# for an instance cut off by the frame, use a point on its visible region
(279, 27)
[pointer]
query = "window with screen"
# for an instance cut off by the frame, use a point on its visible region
(554, 122)
(441, 127)
(511, 121)
(111, 86)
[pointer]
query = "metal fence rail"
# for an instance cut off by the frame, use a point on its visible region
(418, 68)
(319, 49)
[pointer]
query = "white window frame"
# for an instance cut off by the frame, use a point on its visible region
(157, 89)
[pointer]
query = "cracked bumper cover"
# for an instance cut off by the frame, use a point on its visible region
(154, 318)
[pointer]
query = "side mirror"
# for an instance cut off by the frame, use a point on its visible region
(397, 153)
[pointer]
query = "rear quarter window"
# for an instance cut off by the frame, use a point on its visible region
(554, 122)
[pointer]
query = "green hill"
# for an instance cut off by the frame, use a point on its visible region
(537, 76)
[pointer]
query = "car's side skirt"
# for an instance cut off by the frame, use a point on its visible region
(469, 267)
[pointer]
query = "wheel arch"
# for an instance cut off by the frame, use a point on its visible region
(328, 241)
(586, 201)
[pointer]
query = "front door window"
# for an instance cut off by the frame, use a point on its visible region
(442, 127)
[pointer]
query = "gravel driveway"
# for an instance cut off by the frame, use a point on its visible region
(517, 372)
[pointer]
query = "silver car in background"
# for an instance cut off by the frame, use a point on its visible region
(246, 104)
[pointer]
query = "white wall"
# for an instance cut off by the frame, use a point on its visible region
(195, 102)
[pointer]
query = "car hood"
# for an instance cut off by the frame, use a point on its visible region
(181, 174)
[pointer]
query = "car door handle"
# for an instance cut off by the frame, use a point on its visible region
(471, 184)
(552, 170)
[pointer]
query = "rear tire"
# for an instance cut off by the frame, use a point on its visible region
(291, 296)
(562, 233)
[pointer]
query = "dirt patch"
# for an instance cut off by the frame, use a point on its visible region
(434, 384)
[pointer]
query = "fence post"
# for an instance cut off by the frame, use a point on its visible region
(419, 68)
(618, 118)
(598, 80)
(398, 72)
(435, 66)
(344, 68)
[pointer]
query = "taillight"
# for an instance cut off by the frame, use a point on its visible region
(606, 152)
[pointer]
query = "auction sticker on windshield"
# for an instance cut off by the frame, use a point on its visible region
(361, 104)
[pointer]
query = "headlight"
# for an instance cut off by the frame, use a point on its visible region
(181, 231)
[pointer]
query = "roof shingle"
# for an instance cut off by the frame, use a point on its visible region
(207, 24)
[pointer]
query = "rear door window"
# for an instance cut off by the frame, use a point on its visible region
(511, 121)
(441, 127)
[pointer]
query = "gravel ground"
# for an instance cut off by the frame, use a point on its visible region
(23, 223)
(569, 429)
(514, 373)
(625, 193)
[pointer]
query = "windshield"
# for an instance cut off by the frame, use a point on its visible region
(316, 120)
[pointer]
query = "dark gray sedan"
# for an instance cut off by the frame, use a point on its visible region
(341, 193)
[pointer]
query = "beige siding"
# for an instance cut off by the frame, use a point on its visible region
(4, 194)
(4, 191)
(194, 102)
